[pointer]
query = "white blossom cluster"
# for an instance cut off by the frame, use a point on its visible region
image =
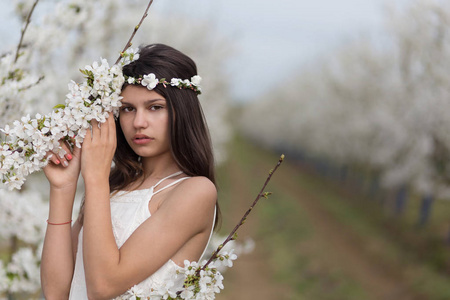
(29, 140)
(21, 275)
(21, 220)
(198, 283)
(21, 216)
(235, 247)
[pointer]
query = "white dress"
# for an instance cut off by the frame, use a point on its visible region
(129, 209)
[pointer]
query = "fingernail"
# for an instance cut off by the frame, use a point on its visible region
(69, 156)
(57, 162)
(61, 153)
(65, 163)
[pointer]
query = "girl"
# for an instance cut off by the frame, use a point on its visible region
(154, 209)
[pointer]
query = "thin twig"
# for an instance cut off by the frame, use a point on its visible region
(128, 44)
(231, 236)
(24, 29)
(31, 85)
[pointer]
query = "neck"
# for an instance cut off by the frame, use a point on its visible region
(159, 167)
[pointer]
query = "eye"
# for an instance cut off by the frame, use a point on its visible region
(156, 107)
(126, 108)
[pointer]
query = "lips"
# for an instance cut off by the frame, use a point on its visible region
(142, 139)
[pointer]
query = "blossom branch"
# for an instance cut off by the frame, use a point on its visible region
(232, 235)
(28, 140)
(24, 29)
(136, 28)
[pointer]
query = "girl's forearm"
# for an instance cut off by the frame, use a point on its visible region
(57, 263)
(101, 255)
(61, 204)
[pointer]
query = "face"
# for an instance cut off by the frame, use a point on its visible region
(144, 119)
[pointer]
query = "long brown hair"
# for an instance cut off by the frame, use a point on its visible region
(190, 142)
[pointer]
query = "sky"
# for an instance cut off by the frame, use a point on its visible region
(273, 39)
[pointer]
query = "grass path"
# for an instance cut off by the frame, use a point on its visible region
(310, 242)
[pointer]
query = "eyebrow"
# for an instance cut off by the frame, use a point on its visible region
(146, 102)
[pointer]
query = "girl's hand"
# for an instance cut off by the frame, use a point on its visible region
(63, 172)
(98, 151)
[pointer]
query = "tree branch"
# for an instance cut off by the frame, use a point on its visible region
(136, 28)
(24, 29)
(231, 236)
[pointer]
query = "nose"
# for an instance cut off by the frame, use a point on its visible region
(140, 120)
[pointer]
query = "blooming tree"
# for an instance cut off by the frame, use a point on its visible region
(58, 40)
(381, 107)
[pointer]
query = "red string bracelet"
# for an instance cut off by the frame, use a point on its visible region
(50, 223)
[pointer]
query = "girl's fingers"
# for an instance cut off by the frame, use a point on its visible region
(76, 151)
(108, 130)
(95, 129)
(64, 154)
(88, 136)
(112, 127)
(67, 149)
(104, 129)
(101, 134)
(53, 158)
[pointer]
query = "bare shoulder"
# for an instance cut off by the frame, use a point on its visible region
(199, 184)
(198, 190)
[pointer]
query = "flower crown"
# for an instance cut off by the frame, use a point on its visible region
(150, 81)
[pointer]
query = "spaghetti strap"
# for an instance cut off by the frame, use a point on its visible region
(169, 185)
(210, 234)
(170, 176)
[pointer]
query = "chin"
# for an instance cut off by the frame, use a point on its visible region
(151, 154)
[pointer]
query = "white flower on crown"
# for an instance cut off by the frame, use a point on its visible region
(196, 80)
(175, 81)
(150, 81)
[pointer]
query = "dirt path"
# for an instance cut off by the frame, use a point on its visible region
(252, 276)
(380, 281)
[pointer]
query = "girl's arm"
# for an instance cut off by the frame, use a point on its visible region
(187, 212)
(57, 263)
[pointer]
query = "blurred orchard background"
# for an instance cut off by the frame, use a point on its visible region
(355, 93)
